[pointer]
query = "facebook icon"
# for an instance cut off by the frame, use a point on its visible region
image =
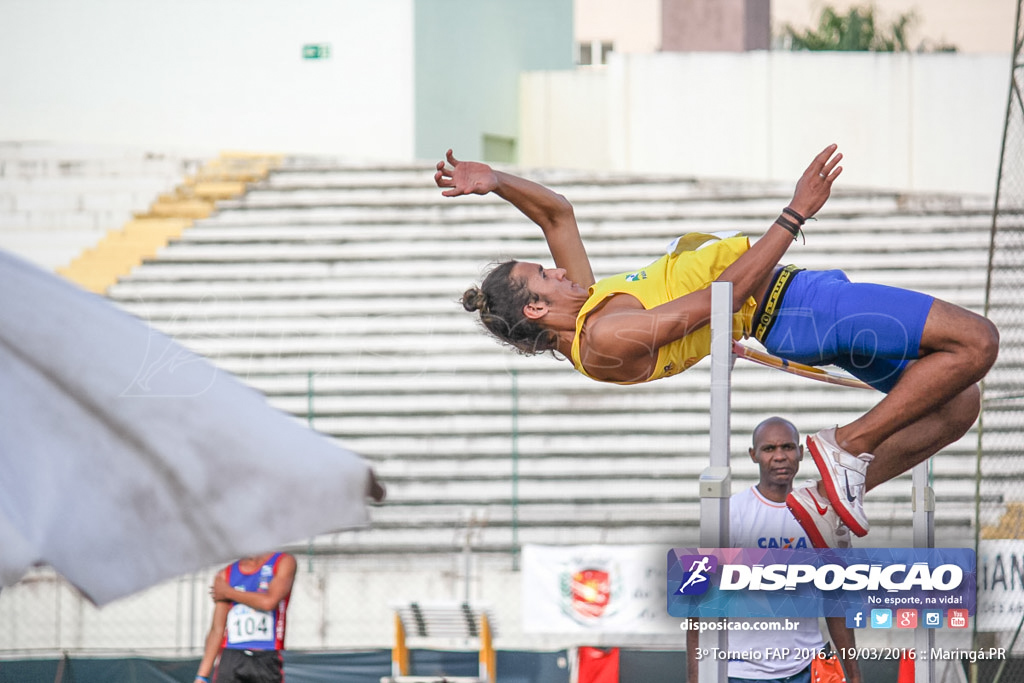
(855, 618)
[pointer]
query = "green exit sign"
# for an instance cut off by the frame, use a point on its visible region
(311, 51)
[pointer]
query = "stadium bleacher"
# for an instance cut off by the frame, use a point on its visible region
(57, 200)
(333, 289)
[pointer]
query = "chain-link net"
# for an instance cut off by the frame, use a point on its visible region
(338, 603)
(1000, 498)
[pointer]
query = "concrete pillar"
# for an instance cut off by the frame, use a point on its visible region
(715, 25)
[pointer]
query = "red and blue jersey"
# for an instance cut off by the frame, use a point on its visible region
(253, 629)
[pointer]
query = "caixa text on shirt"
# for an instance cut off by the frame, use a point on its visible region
(794, 542)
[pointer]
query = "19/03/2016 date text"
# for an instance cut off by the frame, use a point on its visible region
(939, 654)
(858, 653)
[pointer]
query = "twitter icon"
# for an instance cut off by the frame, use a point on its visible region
(881, 618)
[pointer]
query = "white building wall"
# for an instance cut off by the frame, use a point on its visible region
(581, 131)
(633, 26)
(915, 122)
(208, 76)
(468, 57)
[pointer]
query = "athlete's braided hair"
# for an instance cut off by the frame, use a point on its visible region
(500, 299)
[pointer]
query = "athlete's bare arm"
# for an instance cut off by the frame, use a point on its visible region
(214, 638)
(622, 339)
(280, 586)
(548, 209)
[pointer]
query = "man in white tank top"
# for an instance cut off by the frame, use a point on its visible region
(759, 518)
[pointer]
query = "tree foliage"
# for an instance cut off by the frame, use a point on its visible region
(859, 29)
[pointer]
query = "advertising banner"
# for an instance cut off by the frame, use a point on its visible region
(595, 589)
(1000, 584)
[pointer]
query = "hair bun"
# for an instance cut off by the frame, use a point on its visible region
(474, 299)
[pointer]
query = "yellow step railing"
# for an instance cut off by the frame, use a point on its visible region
(119, 251)
(1011, 524)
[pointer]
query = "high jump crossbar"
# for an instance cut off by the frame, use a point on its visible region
(794, 368)
(716, 479)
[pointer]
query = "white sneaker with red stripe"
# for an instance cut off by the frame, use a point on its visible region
(818, 519)
(843, 475)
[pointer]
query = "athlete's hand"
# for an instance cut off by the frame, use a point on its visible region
(815, 185)
(374, 489)
(464, 177)
(218, 591)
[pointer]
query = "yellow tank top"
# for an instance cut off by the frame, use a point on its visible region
(695, 261)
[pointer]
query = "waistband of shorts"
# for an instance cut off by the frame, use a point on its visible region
(254, 652)
(764, 320)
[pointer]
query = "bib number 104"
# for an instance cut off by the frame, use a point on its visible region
(249, 625)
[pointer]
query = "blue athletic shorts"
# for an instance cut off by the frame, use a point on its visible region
(871, 331)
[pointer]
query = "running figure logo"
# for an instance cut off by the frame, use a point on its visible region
(696, 579)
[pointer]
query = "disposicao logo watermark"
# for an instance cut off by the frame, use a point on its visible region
(696, 579)
(739, 582)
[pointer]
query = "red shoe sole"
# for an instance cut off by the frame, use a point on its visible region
(833, 495)
(804, 518)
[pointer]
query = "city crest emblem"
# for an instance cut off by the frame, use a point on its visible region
(588, 594)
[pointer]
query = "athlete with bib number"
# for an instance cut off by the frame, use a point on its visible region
(248, 626)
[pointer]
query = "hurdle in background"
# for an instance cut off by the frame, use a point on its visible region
(442, 620)
(716, 479)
